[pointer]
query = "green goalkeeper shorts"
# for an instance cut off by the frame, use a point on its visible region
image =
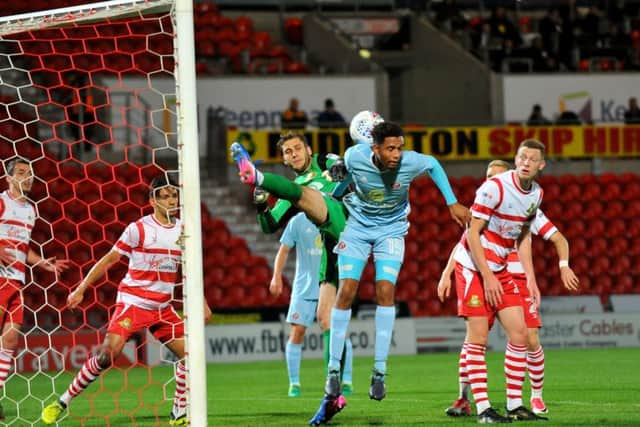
(336, 218)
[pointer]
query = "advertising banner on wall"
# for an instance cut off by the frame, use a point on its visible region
(587, 330)
(246, 102)
(267, 341)
(595, 98)
(59, 352)
(468, 143)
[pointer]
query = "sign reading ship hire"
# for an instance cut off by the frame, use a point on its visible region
(471, 143)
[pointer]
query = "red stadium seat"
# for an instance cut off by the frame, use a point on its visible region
(293, 31)
(367, 291)
(234, 297)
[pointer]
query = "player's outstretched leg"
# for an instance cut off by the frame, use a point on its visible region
(378, 390)
(52, 412)
(329, 407)
(246, 168)
(460, 408)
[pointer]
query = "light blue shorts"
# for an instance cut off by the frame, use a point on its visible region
(354, 249)
(302, 312)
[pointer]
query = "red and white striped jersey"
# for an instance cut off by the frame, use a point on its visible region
(155, 256)
(16, 223)
(507, 208)
(540, 226)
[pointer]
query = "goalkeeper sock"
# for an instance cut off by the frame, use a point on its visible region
(6, 361)
(281, 187)
(90, 371)
(180, 396)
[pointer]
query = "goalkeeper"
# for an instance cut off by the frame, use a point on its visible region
(312, 171)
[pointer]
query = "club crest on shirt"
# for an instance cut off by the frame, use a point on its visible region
(125, 323)
(295, 316)
(531, 209)
(474, 301)
(396, 185)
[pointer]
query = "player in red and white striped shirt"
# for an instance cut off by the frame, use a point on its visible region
(153, 247)
(17, 218)
(502, 212)
(535, 355)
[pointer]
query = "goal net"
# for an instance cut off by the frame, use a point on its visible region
(93, 97)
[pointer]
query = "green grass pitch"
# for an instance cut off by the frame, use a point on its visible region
(588, 387)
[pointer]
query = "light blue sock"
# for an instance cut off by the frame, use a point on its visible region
(293, 354)
(347, 375)
(385, 318)
(339, 324)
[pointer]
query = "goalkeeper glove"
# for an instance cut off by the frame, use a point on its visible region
(260, 198)
(338, 171)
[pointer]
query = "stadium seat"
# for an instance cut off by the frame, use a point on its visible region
(595, 227)
(407, 291)
(214, 296)
(367, 291)
(293, 31)
(234, 296)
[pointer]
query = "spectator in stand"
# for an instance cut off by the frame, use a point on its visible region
(292, 117)
(330, 117)
(448, 16)
(616, 39)
(568, 118)
(502, 27)
(543, 61)
(632, 115)
(590, 24)
(550, 28)
(537, 118)
(566, 42)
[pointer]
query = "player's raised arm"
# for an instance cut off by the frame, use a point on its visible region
(459, 213)
(96, 272)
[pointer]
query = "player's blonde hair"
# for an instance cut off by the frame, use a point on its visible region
(499, 163)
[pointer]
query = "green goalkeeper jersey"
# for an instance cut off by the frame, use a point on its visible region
(273, 219)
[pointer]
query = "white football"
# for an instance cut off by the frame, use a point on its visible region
(361, 126)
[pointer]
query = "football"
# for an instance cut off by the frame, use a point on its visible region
(361, 125)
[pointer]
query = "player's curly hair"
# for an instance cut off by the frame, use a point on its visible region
(384, 130)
